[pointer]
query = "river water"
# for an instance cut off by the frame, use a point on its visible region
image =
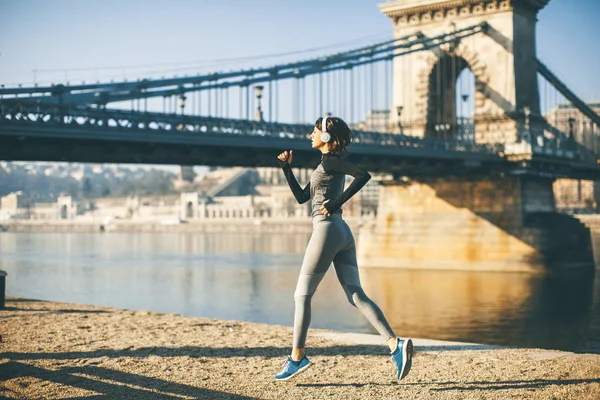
(252, 277)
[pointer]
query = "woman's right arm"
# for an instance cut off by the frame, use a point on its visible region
(301, 195)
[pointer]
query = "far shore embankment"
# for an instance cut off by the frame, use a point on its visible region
(213, 225)
(210, 225)
(62, 350)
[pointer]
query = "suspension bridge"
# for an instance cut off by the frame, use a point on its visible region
(457, 102)
(206, 118)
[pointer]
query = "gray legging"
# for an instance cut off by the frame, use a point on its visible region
(332, 240)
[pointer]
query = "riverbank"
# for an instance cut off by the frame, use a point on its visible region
(216, 225)
(61, 350)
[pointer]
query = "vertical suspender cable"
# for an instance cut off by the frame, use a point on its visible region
(295, 102)
(387, 103)
(343, 88)
(361, 95)
(352, 95)
(444, 64)
(200, 110)
(248, 102)
(339, 91)
(328, 99)
(303, 114)
(252, 107)
(340, 94)
(322, 111)
(193, 94)
(334, 93)
(271, 100)
(453, 91)
(300, 100)
(438, 102)
(359, 99)
(217, 102)
(410, 102)
(199, 102)
(366, 92)
(241, 103)
(227, 107)
(314, 97)
(372, 81)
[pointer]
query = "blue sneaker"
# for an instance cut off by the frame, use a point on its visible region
(291, 368)
(402, 356)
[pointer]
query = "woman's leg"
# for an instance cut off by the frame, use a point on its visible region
(320, 251)
(346, 269)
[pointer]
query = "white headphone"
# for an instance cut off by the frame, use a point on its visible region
(325, 136)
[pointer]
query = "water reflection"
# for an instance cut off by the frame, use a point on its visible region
(485, 307)
(252, 277)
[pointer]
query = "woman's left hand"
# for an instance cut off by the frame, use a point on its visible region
(324, 210)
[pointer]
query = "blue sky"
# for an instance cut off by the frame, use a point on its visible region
(101, 39)
(166, 36)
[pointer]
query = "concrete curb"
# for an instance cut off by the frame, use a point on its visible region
(420, 344)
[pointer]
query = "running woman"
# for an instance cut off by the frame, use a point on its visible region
(332, 241)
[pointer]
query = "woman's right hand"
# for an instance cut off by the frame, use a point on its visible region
(286, 156)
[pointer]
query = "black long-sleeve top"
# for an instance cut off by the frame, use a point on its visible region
(327, 183)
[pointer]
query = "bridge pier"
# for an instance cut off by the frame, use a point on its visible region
(505, 223)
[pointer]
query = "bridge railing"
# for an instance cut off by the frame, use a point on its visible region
(130, 122)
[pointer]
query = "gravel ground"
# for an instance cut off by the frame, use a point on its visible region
(57, 350)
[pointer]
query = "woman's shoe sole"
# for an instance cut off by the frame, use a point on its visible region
(407, 350)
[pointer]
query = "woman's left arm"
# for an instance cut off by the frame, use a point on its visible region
(361, 177)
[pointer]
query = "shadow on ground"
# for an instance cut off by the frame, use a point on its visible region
(143, 386)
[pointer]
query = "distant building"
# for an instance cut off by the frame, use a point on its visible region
(574, 195)
(14, 205)
(44, 211)
(376, 121)
(584, 131)
(369, 198)
(274, 176)
(223, 193)
(67, 207)
(185, 177)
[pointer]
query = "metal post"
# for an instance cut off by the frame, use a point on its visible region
(399, 111)
(182, 99)
(571, 122)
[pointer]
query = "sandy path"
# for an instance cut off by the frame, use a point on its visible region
(59, 350)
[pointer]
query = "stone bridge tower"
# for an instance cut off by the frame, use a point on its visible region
(481, 220)
(503, 61)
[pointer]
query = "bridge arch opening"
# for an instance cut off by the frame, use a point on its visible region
(450, 105)
(189, 210)
(63, 212)
(465, 109)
